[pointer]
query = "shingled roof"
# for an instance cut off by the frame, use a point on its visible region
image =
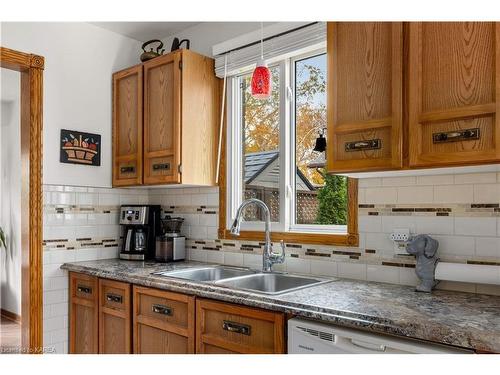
(257, 162)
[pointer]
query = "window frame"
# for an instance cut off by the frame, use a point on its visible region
(232, 154)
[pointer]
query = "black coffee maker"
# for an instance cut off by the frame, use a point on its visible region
(140, 226)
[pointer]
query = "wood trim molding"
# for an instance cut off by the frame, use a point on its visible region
(349, 239)
(31, 68)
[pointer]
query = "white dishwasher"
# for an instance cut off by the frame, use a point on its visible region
(307, 337)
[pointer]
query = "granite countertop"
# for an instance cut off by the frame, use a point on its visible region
(455, 318)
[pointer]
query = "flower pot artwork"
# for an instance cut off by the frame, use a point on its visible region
(80, 148)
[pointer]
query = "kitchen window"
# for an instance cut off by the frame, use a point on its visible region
(270, 156)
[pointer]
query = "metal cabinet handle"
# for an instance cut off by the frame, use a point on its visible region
(129, 169)
(236, 327)
(161, 166)
(371, 144)
(84, 289)
(161, 309)
(456, 136)
(114, 297)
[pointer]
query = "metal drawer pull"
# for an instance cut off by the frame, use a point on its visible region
(114, 298)
(236, 327)
(456, 136)
(161, 166)
(84, 289)
(371, 144)
(161, 309)
(129, 169)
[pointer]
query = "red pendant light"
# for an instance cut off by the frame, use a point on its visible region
(261, 77)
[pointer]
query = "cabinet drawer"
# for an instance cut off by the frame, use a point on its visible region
(223, 327)
(83, 286)
(114, 295)
(165, 318)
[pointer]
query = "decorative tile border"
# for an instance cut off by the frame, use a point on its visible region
(459, 210)
(80, 243)
(210, 210)
(329, 253)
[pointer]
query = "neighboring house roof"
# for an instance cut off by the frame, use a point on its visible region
(262, 169)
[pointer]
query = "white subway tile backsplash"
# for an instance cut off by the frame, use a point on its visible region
(215, 256)
(415, 194)
(487, 193)
(381, 195)
(488, 247)
(407, 276)
(370, 223)
(476, 226)
(476, 178)
(112, 199)
(98, 219)
(389, 223)
(352, 270)
(380, 242)
(297, 265)
(453, 193)
(370, 182)
(87, 199)
(323, 268)
(233, 259)
(383, 274)
(63, 199)
(199, 200)
(434, 225)
(398, 181)
(456, 245)
(447, 179)
(252, 261)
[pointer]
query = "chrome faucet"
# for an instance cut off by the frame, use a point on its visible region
(268, 257)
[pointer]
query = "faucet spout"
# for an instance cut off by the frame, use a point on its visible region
(268, 257)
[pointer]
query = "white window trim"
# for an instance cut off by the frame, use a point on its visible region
(287, 181)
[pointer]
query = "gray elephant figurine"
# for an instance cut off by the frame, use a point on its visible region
(424, 248)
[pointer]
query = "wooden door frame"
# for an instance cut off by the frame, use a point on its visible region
(31, 68)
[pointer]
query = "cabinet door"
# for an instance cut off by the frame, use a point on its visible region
(83, 314)
(365, 75)
(127, 127)
(114, 317)
(454, 74)
(162, 109)
(227, 328)
(163, 322)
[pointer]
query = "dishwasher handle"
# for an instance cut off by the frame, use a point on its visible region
(379, 348)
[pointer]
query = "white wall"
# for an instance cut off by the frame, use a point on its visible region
(10, 192)
(205, 35)
(79, 61)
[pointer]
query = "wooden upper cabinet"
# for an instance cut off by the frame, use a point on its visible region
(127, 127)
(365, 93)
(162, 116)
(454, 88)
(179, 100)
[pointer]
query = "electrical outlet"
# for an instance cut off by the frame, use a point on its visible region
(400, 237)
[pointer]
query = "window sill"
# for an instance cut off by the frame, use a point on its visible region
(296, 237)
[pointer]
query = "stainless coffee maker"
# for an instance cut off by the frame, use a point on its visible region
(140, 226)
(171, 244)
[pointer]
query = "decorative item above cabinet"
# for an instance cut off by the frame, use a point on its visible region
(412, 95)
(165, 119)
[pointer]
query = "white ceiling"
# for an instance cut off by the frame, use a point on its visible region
(143, 31)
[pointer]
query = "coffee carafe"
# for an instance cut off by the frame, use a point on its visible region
(140, 226)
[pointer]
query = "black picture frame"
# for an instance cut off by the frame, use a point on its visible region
(80, 148)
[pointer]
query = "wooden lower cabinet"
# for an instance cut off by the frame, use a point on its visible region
(83, 314)
(164, 322)
(223, 328)
(112, 317)
(115, 324)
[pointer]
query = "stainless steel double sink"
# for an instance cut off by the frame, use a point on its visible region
(245, 279)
